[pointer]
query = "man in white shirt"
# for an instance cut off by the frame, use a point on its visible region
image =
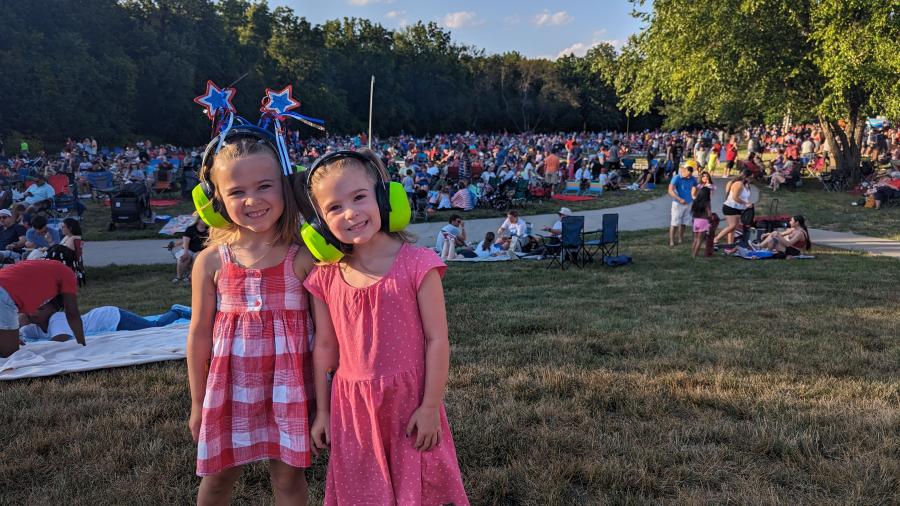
(48, 323)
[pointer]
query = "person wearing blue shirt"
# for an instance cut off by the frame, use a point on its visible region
(39, 195)
(680, 190)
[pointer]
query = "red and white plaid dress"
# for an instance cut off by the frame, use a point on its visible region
(256, 392)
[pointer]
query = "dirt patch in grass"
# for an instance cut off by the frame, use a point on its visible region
(673, 380)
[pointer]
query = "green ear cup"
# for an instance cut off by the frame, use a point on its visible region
(318, 246)
(400, 210)
(206, 210)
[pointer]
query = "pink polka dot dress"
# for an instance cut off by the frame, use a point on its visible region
(377, 387)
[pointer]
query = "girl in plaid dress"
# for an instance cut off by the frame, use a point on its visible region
(249, 346)
(381, 323)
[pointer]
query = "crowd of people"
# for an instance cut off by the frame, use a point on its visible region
(442, 172)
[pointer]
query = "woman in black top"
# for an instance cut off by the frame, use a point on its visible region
(192, 242)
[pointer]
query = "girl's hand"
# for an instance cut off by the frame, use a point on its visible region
(427, 424)
(194, 422)
(320, 433)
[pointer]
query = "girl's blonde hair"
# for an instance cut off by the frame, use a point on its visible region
(375, 171)
(288, 224)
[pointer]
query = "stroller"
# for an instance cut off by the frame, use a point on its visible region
(130, 205)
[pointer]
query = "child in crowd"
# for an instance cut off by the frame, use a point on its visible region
(701, 209)
(382, 325)
(490, 248)
(248, 350)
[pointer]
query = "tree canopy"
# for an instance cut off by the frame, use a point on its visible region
(119, 69)
(735, 61)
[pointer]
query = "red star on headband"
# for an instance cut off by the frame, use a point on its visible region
(215, 98)
(280, 102)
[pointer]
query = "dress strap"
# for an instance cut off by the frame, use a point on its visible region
(225, 254)
(289, 258)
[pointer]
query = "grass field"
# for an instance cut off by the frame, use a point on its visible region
(832, 211)
(95, 221)
(673, 380)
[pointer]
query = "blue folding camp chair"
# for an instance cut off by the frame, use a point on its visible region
(101, 183)
(569, 247)
(608, 243)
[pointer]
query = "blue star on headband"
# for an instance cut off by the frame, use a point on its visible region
(215, 99)
(280, 102)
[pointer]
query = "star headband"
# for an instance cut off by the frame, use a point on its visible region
(276, 107)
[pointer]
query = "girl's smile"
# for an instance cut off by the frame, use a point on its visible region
(250, 188)
(349, 209)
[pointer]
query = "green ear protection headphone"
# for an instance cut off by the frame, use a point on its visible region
(393, 205)
(208, 207)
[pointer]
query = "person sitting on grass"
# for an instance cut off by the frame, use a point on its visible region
(780, 174)
(791, 242)
(513, 230)
(462, 199)
(25, 287)
(885, 190)
(488, 247)
(49, 324)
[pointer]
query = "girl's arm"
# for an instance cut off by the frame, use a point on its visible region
(427, 419)
(325, 362)
(199, 341)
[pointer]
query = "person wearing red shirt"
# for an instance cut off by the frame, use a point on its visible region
(25, 287)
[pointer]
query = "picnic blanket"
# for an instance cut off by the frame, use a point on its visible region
(103, 351)
(572, 198)
(749, 254)
(177, 224)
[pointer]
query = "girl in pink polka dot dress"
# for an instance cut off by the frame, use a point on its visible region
(381, 326)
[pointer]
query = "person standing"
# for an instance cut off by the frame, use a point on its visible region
(26, 286)
(680, 189)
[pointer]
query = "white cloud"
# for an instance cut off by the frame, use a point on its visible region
(578, 49)
(547, 18)
(363, 3)
(599, 33)
(581, 48)
(397, 16)
(512, 20)
(460, 19)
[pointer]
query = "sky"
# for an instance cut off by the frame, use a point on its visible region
(534, 28)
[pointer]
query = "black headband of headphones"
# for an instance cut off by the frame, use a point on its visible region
(308, 207)
(235, 133)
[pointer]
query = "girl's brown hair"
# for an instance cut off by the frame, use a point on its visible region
(288, 224)
(375, 171)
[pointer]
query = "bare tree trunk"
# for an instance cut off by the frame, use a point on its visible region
(845, 144)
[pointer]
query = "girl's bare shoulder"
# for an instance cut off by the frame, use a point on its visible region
(303, 262)
(208, 261)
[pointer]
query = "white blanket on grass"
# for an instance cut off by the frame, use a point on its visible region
(103, 351)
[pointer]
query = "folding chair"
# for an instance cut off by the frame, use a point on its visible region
(570, 246)
(608, 241)
(59, 182)
(101, 183)
(79, 262)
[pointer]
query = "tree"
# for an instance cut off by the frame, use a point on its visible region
(734, 61)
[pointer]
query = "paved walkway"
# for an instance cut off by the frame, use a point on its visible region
(641, 216)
